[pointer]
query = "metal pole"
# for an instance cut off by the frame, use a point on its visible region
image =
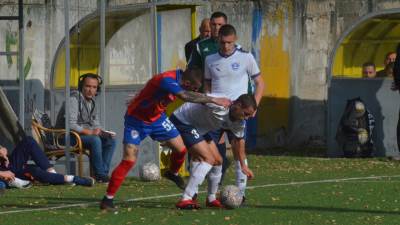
(102, 61)
(153, 21)
(21, 63)
(67, 87)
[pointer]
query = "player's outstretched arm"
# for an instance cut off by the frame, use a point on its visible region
(239, 153)
(259, 86)
(195, 97)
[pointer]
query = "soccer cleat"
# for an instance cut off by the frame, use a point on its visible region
(187, 204)
(214, 204)
(83, 181)
(194, 198)
(243, 201)
(176, 179)
(107, 204)
(18, 183)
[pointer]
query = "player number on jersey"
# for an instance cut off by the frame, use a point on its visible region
(195, 133)
(167, 125)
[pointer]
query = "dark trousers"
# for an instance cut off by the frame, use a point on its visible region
(26, 150)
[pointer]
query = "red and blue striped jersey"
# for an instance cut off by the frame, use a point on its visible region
(153, 99)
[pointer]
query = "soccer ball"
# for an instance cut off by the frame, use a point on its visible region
(231, 197)
(150, 172)
(362, 136)
(359, 109)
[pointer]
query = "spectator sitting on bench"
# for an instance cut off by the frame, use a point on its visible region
(84, 119)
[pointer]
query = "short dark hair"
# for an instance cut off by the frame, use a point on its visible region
(194, 74)
(389, 53)
(368, 64)
(227, 30)
(247, 100)
(219, 14)
(83, 77)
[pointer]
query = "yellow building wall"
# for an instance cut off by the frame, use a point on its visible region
(368, 42)
(89, 63)
(275, 67)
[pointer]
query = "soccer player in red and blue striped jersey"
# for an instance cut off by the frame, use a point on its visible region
(146, 116)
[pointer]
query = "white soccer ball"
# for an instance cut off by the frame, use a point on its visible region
(231, 196)
(359, 108)
(362, 136)
(150, 172)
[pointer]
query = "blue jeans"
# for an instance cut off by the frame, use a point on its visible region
(101, 152)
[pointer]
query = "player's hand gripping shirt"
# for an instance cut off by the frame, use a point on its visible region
(153, 99)
(229, 75)
(208, 117)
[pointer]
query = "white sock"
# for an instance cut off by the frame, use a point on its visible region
(194, 165)
(241, 178)
(69, 178)
(51, 170)
(214, 177)
(197, 177)
(109, 196)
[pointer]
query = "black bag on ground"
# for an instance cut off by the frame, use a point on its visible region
(355, 129)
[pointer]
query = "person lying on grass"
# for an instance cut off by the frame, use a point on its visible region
(17, 173)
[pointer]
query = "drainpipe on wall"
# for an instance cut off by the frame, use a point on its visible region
(67, 88)
(102, 61)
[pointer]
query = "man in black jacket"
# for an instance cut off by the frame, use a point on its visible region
(205, 32)
(395, 87)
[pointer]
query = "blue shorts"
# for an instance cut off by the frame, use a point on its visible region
(189, 134)
(160, 130)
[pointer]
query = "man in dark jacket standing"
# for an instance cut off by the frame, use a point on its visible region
(205, 32)
(395, 87)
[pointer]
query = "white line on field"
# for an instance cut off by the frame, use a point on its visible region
(85, 204)
(321, 181)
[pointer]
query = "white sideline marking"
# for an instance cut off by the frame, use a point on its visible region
(85, 204)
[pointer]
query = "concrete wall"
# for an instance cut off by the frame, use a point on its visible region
(321, 25)
(295, 42)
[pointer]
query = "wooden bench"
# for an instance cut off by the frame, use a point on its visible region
(49, 139)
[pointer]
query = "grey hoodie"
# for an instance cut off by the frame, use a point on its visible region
(83, 113)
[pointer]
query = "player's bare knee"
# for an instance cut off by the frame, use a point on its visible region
(196, 158)
(130, 152)
(209, 160)
(218, 160)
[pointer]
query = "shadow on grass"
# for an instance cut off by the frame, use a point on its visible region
(62, 199)
(323, 209)
(146, 204)
(303, 151)
(54, 202)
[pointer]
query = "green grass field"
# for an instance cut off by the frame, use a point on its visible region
(286, 190)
